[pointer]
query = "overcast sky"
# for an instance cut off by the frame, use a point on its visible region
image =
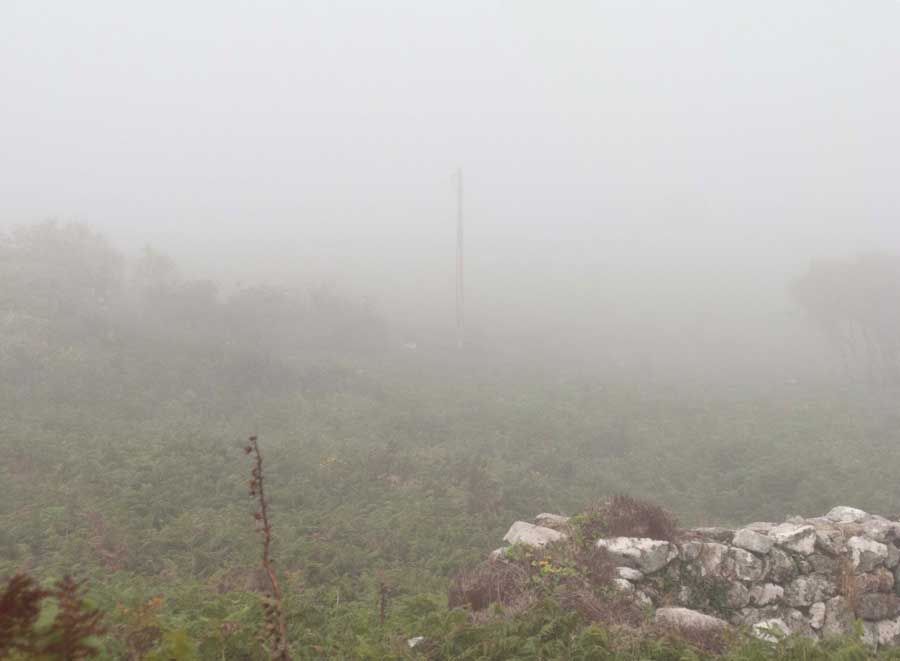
(595, 136)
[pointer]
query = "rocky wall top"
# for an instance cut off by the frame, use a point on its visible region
(810, 576)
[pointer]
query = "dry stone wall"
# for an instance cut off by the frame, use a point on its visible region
(813, 577)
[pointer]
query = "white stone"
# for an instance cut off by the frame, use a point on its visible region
(526, 533)
(498, 554)
(745, 565)
(771, 629)
(550, 520)
(622, 585)
(629, 574)
(893, 558)
(806, 590)
(782, 567)
(798, 623)
(888, 632)
(690, 551)
(648, 555)
(798, 538)
(685, 618)
(415, 641)
(830, 540)
(713, 534)
(866, 553)
(738, 596)
(870, 634)
(881, 529)
(709, 555)
(817, 615)
(752, 541)
(842, 514)
(838, 617)
(765, 594)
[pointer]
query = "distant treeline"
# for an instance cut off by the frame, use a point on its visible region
(856, 303)
(69, 297)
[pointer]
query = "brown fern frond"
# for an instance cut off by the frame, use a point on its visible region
(20, 605)
(75, 623)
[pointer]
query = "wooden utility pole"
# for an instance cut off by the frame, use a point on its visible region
(460, 272)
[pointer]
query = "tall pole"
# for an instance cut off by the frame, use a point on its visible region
(460, 273)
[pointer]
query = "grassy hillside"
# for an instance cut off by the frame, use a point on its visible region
(123, 411)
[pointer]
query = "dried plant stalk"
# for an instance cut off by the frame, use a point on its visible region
(276, 629)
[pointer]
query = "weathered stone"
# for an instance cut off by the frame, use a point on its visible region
(866, 553)
(745, 566)
(690, 551)
(817, 615)
(629, 574)
(673, 571)
(881, 530)
(838, 617)
(798, 623)
(498, 554)
(784, 575)
(798, 538)
(782, 567)
(715, 534)
(745, 617)
(525, 533)
(648, 555)
(686, 619)
(807, 590)
(738, 596)
(880, 580)
(830, 540)
(752, 541)
(771, 630)
(849, 530)
(823, 564)
(843, 514)
(878, 606)
(888, 632)
(554, 521)
(869, 634)
(893, 558)
(651, 591)
(710, 556)
(765, 594)
(622, 585)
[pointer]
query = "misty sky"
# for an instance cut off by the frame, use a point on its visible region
(597, 138)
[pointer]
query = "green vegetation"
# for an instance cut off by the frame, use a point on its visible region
(126, 393)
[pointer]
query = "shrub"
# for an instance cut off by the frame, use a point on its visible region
(20, 605)
(606, 609)
(69, 636)
(488, 583)
(629, 517)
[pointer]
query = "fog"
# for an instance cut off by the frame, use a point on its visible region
(240, 417)
(637, 173)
